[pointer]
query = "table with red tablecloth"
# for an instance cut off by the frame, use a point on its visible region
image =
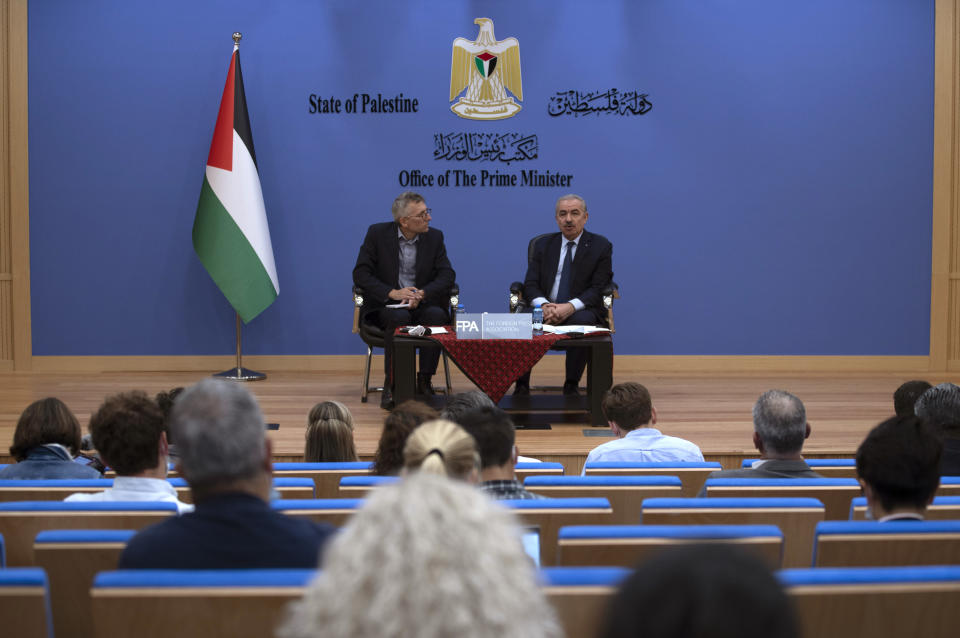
(494, 364)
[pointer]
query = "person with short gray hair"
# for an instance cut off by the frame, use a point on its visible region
(406, 276)
(225, 458)
(940, 407)
(779, 429)
(464, 402)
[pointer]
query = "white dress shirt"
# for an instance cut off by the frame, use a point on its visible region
(133, 488)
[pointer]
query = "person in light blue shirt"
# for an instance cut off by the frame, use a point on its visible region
(630, 413)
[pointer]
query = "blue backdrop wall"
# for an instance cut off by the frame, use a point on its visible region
(774, 199)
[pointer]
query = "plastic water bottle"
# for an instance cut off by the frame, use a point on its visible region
(537, 320)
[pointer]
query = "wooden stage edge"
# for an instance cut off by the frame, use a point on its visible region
(706, 399)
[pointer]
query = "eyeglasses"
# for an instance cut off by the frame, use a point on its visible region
(426, 213)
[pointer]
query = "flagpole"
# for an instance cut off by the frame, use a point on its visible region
(240, 373)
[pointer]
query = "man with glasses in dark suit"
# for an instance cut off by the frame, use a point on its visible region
(404, 263)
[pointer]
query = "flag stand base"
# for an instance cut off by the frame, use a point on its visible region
(241, 374)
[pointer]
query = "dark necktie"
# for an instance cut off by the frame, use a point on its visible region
(566, 274)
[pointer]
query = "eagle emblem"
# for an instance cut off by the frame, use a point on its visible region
(487, 69)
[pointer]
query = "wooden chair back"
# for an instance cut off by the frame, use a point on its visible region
(21, 522)
(25, 603)
(194, 604)
(625, 493)
(797, 518)
(835, 494)
(549, 515)
(71, 559)
(326, 476)
(334, 511)
(897, 601)
(523, 470)
(943, 508)
(691, 475)
(894, 543)
(580, 596)
(627, 545)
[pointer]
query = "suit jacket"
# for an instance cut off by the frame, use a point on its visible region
(227, 531)
(378, 266)
(592, 270)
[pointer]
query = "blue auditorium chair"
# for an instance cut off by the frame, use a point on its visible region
(548, 515)
(875, 601)
(284, 487)
(691, 473)
(834, 493)
(25, 603)
(335, 511)
(949, 486)
(195, 603)
(71, 559)
(525, 469)
(625, 493)
(20, 522)
(796, 517)
(869, 543)
(827, 468)
(326, 476)
(626, 545)
(360, 486)
(48, 489)
(943, 508)
(580, 595)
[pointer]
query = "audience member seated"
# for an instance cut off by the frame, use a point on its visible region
(329, 434)
(898, 466)
(905, 397)
(940, 407)
(45, 442)
(444, 448)
(404, 419)
(463, 402)
(225, 458)
(715, 590)
(495, 435)
(128, 432)
(165, 400)
(430, 558)
(779, 430)
(460, 404)
(631, 415)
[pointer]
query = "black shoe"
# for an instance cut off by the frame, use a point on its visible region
(386, 398)
(425, 384)
(570, 389)
(521, 390)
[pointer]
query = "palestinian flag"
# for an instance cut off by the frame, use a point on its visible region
(230, 232)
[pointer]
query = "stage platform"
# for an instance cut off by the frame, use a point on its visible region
(712, 410)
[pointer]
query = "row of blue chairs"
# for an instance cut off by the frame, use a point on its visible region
(830, 602)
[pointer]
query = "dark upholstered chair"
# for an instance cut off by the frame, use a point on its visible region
(372, 336)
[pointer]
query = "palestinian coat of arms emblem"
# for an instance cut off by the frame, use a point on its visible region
(487, 69)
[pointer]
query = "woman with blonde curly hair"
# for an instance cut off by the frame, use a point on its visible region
(426, 557)
(329, 436)
(444, 448)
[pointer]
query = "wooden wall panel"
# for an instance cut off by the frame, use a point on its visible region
(944, 300)
(15, 334)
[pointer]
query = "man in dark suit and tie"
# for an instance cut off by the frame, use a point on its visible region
(404, 262)
(566, 276)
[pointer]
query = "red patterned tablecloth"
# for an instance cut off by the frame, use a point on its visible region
(494, 364)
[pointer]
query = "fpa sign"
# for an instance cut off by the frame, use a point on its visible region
(494, 325)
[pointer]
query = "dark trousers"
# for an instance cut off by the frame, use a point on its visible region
(576, 357)
(390, 318)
